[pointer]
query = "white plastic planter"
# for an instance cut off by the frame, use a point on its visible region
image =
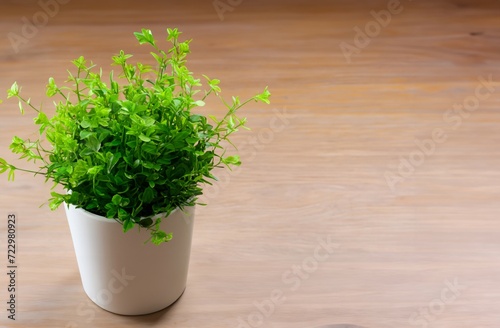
(122, 274)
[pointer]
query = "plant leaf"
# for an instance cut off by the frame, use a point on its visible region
(93, 143)
(3, 165)
(117, 199)
(145, 36)
(144, 138)
(159, 237)
(234, 160)
(264, 96)
(127, 225)
(148, 195)
(13, 91)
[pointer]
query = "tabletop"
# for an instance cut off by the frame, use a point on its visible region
(369, 192)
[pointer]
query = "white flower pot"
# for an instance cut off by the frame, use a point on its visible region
(123, 274)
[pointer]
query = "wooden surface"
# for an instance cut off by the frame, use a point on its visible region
(318, 172)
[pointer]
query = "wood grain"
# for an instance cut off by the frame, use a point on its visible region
(315, 164)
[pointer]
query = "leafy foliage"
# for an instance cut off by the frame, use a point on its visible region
(131, 148)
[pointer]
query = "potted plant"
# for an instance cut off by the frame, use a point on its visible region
(130, 154)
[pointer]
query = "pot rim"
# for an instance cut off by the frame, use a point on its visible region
(101, 218)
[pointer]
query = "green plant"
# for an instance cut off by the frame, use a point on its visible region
(131, 148)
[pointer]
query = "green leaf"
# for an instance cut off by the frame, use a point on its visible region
(80, 63)
(84, 134)
(94, 170)
(93, 143)
(158, 59)
(147, 222)
(127, 225)
(230, 122)
(117, 199)
(214, 84)
(3, 165)
(18, 145)
(199, 103)
(20, 104)
(159, 237)
(111, 213)
(214, 118)
(145, 36)
(173, 34)
(149, 121)
(264, 96)
(125, 201)
(115, 142)
(195, 118)
(236, 101)
(192, 140)
(121, 58)
(234, 160)
(123, 215)
(148, 195)
(51, 88)
(13, 91)
(85, 123)
(11, 174)
(41, 118)
(144, 138)
(56, 200)
(113, 161)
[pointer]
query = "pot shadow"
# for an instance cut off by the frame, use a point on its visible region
(154, 317)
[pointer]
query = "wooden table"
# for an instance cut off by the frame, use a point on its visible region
(370, 190)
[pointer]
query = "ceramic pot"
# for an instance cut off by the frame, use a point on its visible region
(123, 274)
